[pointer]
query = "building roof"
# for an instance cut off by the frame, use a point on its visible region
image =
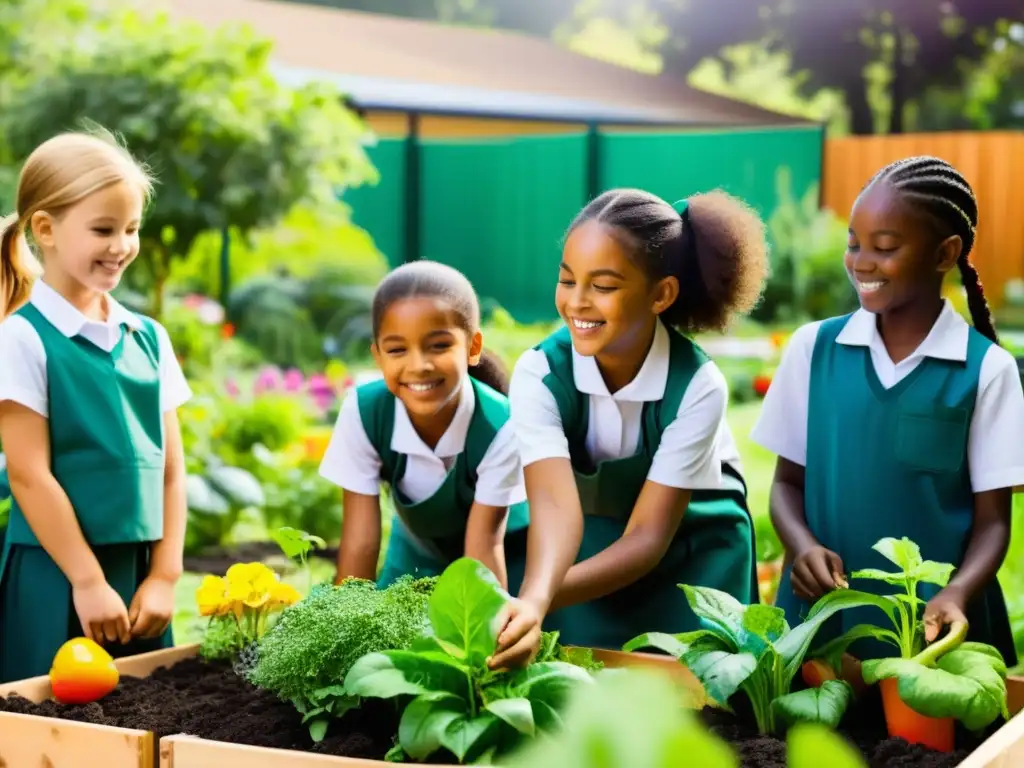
(388, 62)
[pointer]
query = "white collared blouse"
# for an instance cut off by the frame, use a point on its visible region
(23, 357)
(995, 448)
(352, 463)
(692, 447)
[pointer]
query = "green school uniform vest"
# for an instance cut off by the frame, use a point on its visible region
(891, 462)
(106, 434)
(713, 547)
(106, 438)
(428, 535)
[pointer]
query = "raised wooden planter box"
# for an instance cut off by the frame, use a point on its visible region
(30, 741)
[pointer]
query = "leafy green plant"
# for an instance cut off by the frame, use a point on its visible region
(296, 545)
(458, 704)
(903, 608)
(949, 678)
(297, 496)
(305, 657)
(752, 649)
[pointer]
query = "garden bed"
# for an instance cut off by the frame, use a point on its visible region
(217, 560)
(228, 724)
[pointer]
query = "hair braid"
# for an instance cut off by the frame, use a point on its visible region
(945, 196)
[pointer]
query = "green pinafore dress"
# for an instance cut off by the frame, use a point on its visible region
(106, 439)
(891, 462)
(714, 546)
(428, 535)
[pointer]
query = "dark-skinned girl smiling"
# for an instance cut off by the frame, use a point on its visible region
(900, 419)
(633, 477)
(434, 430)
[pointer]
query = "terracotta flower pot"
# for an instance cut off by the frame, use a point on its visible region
(904, 723)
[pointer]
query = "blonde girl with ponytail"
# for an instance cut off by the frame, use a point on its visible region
(88, 399)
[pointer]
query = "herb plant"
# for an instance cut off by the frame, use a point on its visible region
(457, 703)
(752, 649)
(296, 545)
(305, 658)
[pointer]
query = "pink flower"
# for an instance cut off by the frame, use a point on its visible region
(231, 387)
(268, 380)
(293, 380)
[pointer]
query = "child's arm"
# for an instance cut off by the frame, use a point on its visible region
(995, 455)
(152, 606)
(48, 511)
(360, 537)
(485, 538)
(499, 484)
(782, 429)
(353, 464)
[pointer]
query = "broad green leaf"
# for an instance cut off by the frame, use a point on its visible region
(545, 716)
(516, 712)
(295, 543)
(833, 650)
(678, 645)
(967, 685)
(238, 486)
(765, 621)
(464, 607)
(720, 612)
(464, 735)
(825, 705)
(425, 720)
(721, 672)
(395, 755)
(815, 746)
(318, 729)
(551, 682)
(793, 646)
(896, 579)
(396, 673)
(931, 572)
(903, 552)
(202, 498)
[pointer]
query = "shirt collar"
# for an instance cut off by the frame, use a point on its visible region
(404, 438)
(647, 386)
(67, 319)
(947, 340)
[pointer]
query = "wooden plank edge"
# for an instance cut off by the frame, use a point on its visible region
(41, 732)
(193, 752)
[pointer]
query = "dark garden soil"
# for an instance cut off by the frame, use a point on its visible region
(211, 702)
(217, 560)
(863, 726)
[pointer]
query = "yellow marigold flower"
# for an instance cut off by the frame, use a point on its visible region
(210, 595)
(284, 594)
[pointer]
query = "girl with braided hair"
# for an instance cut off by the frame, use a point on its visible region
(900, 419)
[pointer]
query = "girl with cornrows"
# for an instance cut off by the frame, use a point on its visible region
(900, 419)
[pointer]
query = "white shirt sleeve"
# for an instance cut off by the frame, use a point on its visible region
(687, 456)
(994, 447)
(499, 480)
(174, 388)
(350, 461)
(782, 424)
(534, 412)
(23, 365)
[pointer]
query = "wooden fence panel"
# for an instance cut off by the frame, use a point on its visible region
(993, 162)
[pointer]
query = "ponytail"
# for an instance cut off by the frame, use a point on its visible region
(491, 371)
(18, 266)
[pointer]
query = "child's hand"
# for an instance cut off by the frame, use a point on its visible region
(519, 637)
(816, 571)
(152, 607)
(101, 612)
(947, 607)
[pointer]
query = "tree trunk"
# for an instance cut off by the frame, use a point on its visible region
(862, 119)
(897, 88)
